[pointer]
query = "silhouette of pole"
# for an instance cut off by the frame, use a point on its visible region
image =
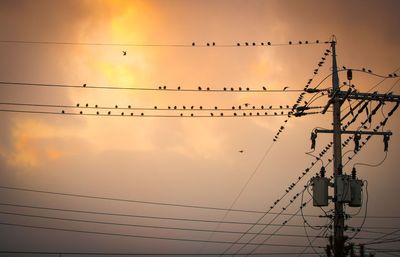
(337, 159)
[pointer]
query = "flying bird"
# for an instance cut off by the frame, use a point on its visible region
(123, 53)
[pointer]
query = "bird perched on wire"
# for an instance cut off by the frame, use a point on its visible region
(123, 53)
(241, 151)
(284, 89)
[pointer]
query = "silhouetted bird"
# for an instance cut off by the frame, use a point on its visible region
(87, 105)
(193, 44)
(369, 71)
(363, 69)
(264, 88)
(246, 43)
(179, 88)
(208, 44)
(284, 89)
(81, 112)
(164, 87)
(123, 53)
(241, 151)
(199, 88)
(84, 85)
(269, 43)
(238, 44)
(213, 43)
(62, 111)
(290, 42)
(109, 113)
(77, 105)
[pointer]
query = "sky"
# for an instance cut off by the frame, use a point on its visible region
(147, 166)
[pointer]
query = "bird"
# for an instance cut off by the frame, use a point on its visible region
(165, 87)
(87, 105)
(246, 104)
(241, 151)
(84, 85)
(62, 111)
(284, 89)
(123, 53)
(290, 42)
(179, 88)
(269, 43)
(264, 88)
(81, 112)
(213, 43)
(193, 44)
(238, 44)
(208, 44)
(109, 113)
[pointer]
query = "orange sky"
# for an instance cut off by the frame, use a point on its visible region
(180, 160)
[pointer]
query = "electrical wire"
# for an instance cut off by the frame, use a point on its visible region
(135, 236)
(142, 115)
(137, 254)
(136, 225)
(133, 201)
(193, 44)
(113, 214)
(85, 86)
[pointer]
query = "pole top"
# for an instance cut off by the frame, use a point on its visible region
(333, 39)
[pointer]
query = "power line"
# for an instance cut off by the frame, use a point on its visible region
(137, 225)
(137, 216)
(141, 254)
(134, 201)
(214, 114)
(158, 108)
(163, 88)
(193, 44)
(134, 236)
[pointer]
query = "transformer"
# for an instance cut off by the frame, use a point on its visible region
(343, 189)
(356, 192)
(320, 191)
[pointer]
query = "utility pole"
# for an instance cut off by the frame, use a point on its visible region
(338, 222)
(347, 189)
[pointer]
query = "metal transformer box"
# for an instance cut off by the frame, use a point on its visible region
(320, 191)
(356, 192)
